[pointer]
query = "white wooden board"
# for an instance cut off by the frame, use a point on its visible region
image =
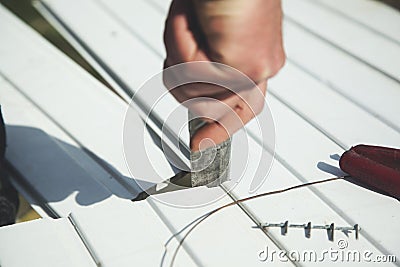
(374, 15)
(41, 243)
(297, 150)
(373, 49)
(118, 229)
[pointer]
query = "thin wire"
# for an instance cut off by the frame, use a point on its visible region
(207, 215)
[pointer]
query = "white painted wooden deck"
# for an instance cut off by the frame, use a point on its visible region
(340, 87)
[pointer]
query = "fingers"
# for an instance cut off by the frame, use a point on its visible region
(181, 37)
(243, 110)
(178, 38)
(238, 34)
(208, 89)
(246, 35)
(251, 104)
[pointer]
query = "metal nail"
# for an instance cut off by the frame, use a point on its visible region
(330, 228)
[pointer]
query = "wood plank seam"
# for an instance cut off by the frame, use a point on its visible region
(114, 79)
(355, 21)
(114, 174)
(339, 91)
(338, 47)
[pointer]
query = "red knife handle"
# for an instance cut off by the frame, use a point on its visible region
(370, 172)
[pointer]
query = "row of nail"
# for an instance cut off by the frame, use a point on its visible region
(308, 226)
